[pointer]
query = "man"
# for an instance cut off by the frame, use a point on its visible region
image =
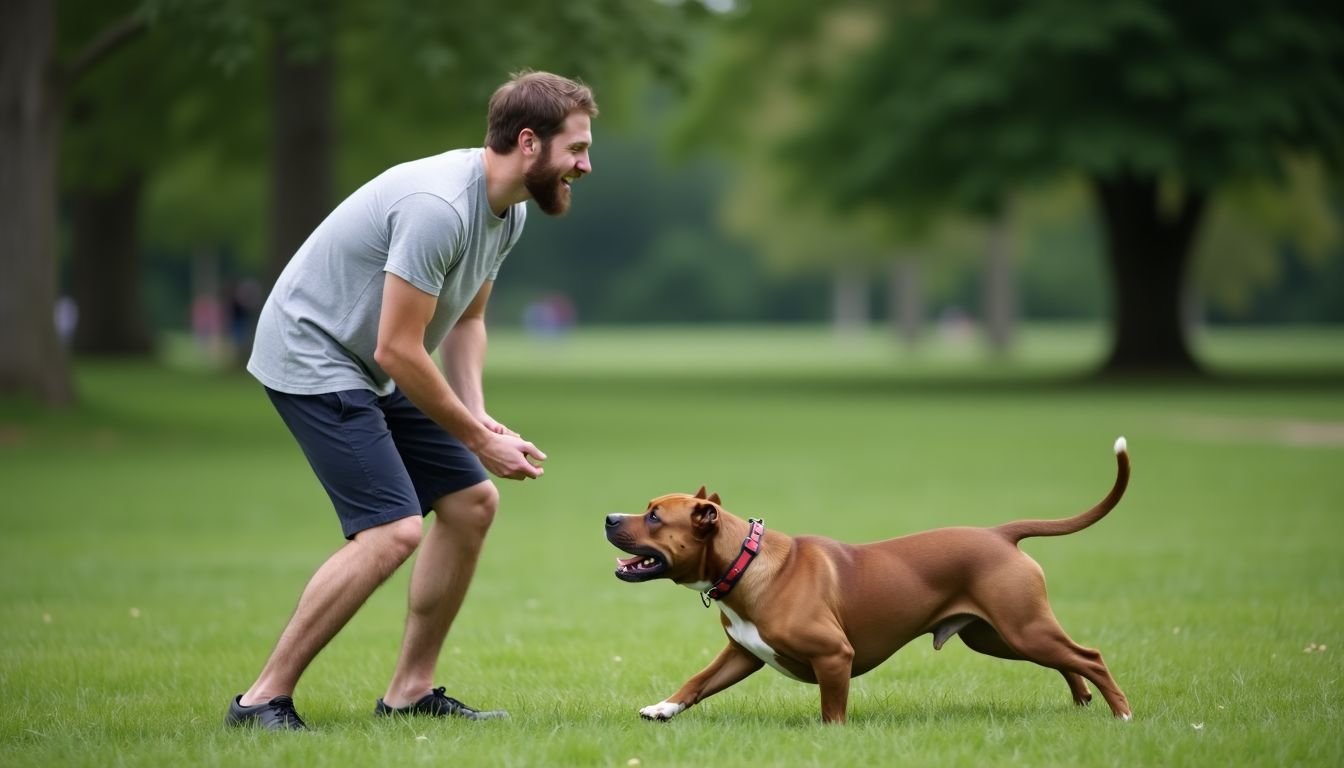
(343, 343)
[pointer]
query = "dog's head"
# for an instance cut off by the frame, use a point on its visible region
(669, 540)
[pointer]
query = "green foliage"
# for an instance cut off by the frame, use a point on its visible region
(973, 99)
(640, 244)
(1240, 252)
(410, 75)
(130, 616)
(844, 113)
(746, 110)
(148, 97)
(201, 201)
(225, 34)
(681, 279)
(414, 80)
(186, 102)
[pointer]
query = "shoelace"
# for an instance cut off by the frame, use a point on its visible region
(286, 713)
(452, 705)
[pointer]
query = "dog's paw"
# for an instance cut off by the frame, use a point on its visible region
(663, 710)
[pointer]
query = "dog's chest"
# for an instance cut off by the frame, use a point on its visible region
(745, 634)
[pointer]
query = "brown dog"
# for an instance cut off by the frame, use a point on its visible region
(821, 611)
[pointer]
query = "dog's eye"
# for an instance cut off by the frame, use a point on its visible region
(653, 517)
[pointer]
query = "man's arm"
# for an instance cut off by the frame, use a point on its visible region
(406, 313)
(463, 354)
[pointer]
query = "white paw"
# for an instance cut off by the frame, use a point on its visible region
(663, 710)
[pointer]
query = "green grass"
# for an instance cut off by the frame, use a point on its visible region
(155, 539)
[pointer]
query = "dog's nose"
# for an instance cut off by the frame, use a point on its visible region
(614, 520)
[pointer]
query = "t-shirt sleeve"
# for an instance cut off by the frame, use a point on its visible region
(426, 239)
(519, 217)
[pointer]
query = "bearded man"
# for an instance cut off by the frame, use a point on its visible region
(342, 348)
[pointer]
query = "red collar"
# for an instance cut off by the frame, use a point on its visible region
(751, 546)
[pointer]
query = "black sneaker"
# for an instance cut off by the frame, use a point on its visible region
(438, 704)
(278, 714)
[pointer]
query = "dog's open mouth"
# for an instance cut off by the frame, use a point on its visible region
(643, 566)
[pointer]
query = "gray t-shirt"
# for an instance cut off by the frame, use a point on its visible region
(427, 221)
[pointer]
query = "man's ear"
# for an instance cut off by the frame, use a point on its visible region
(704, 520)
(528, 142)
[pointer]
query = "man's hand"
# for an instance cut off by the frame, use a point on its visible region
(511, 457)
(495, 426)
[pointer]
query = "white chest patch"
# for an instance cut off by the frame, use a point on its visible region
(747, 636)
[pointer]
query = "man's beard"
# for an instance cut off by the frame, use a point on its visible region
(546, 184)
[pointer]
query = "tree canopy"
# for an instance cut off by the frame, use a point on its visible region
(966, 101)
(960, 105)
(57, 74)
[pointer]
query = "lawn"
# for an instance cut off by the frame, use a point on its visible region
(155, 540)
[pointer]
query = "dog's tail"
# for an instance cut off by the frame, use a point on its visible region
(1022, 529)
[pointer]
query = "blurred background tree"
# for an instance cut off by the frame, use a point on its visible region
(1142, 163)
(1158, 105)
(126, 80)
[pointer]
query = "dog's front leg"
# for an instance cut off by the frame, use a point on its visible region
(732, 665)
(833, 673)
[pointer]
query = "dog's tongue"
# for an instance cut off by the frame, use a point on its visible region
(629, 562)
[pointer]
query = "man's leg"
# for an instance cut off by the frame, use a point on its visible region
(331, 598)
(442, 572)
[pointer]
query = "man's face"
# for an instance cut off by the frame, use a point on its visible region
(561, 161)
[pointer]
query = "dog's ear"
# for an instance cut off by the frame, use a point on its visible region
(714, 497)
(704, 519)
(700, 494)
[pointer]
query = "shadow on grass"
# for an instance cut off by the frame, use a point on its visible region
(955, 713)
(879, 713)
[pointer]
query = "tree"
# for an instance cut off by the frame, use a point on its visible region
(1158, 104)
(303, 128)
(1249, 226)
(466, 42)
(798, 233)
(119, 130)
(427, 66)
(959, 105)
(34, 82)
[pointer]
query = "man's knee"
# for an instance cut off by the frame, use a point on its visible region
(470, 509)
(394, 541)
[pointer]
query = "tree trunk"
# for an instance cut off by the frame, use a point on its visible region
(905, 300)
(106, 274)
(1000, 287)
(1149, 254)
(32, 359)
(303, 145)
(849, 301)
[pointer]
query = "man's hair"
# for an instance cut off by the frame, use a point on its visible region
(537, 100)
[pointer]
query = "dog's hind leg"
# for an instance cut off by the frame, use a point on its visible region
(1045, 642)
(980, 636)
(1078, 687)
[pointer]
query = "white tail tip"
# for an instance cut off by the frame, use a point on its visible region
(1120, 446)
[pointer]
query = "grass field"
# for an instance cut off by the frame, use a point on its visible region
(155, 539)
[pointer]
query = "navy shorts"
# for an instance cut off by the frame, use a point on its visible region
(379, 458)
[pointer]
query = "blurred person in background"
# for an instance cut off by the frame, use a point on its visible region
(343, 345)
